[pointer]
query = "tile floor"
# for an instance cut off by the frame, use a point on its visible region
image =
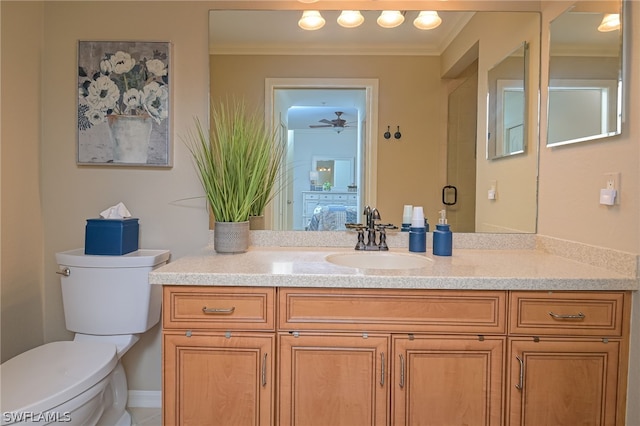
(143, 416)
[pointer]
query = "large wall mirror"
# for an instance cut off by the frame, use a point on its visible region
(380, 96)
(585, 73)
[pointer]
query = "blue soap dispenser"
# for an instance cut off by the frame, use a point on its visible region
(442, 237)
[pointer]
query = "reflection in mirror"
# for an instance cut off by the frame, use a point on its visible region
(585, 69)
(405, 77)
(333, 173)
(332, 200)
(507, 105)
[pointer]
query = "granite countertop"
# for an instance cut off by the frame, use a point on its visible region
(478, 269)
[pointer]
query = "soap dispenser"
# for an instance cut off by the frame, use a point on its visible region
(442, 237)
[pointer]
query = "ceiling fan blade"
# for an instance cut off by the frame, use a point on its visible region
(324, 120)
(314, 126)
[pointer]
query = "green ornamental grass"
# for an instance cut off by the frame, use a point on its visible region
(238, 161)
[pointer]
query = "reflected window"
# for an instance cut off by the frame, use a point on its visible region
(507, 105)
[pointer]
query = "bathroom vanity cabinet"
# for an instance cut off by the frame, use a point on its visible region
(568, 358)
(218, 356)
(346, 356)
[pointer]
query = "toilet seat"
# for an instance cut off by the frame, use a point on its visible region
(49, 375)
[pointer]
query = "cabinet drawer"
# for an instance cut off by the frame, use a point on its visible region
(409, 311)
(218, 308)
(311, 196)
(567, 313)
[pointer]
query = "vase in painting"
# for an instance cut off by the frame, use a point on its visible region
(130, 135)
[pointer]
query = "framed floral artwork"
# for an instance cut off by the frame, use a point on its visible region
(124, 103)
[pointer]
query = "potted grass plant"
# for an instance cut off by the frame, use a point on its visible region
(238, 160)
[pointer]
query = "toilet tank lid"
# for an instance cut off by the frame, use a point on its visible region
(137, 259)
(49, 375)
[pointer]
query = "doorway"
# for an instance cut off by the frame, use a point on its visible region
(309, 113)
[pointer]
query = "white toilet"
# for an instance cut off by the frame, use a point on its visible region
(107, 301)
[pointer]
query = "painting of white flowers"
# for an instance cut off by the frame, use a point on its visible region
(123, 103)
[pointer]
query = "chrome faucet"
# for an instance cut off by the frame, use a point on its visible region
(371, 215)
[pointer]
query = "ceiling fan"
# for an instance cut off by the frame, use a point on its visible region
(338, 123)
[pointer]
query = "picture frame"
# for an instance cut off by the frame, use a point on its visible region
(124, 103)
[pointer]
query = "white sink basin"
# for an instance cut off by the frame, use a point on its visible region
(378, 260)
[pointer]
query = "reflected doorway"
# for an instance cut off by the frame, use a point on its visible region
(329, 171)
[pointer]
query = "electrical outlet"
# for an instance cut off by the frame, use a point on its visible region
(612, 181)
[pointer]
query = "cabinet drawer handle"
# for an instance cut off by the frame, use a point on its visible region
(401, 371)
(578, 316)
(520, 383)
(222, 311)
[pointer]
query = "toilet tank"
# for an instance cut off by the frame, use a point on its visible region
(108, 295)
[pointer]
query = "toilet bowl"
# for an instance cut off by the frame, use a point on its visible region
(59, 382)
(82, 382)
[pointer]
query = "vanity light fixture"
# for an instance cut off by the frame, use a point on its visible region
(390, 18)
(307, 1)
(350, 18)
(427, 20)
(311, 20)
(610, 22)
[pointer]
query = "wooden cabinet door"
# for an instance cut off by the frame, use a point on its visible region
(560, 382)
(216, 379)
(333, 379)
(447, 380)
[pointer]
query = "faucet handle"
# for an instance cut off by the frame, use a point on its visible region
(382, 246)
(360, 245)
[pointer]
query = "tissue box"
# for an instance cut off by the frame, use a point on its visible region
(113, 237)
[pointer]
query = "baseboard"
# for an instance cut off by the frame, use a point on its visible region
(147, 399)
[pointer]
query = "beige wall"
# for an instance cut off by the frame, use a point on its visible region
(22, 214)
(47, 197)
(514, 210)
(44, 208)
(571, 175)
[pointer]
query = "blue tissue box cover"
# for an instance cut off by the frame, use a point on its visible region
(113, 237)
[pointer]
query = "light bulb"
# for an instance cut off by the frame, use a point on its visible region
(610, 22)
(427, 20)
(390, 18)
(350, 18)
(311, 20)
